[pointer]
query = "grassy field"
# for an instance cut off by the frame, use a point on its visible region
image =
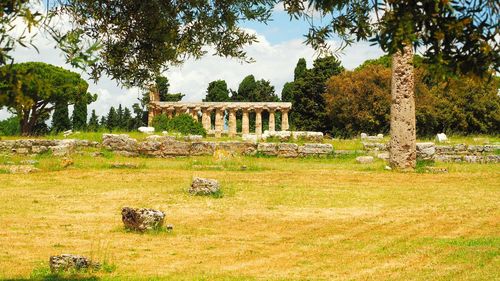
(278, 219)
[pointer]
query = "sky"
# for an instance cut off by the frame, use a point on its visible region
(279, 48)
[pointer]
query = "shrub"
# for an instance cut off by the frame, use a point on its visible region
(10, 126)
(183, 123)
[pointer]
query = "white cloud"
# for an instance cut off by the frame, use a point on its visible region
(274, 62)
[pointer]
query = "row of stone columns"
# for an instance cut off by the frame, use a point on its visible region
(193, 109)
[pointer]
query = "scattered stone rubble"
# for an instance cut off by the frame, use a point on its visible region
(142, 219)
(201, 186)
(68, 262)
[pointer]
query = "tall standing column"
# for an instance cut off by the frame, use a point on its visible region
(402, 148)
(205, 119)
(219, 122)
(272, 120)
(258, 122)
(245, 124)
(232, 122)
(284, 119)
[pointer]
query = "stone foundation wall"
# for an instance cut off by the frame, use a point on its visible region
(163, 147)
(447, 153)
(158, 146)
(37, 146)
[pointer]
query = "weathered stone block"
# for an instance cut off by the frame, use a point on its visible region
(268, 149)
(202, 148)
(288, 150)
(374, 146)
(315, 149)
(67, 262)
(364, 159)
(142, 219)
(119, 142)
(201, 186)
(426, 151)
(175, 148)
(244, 148)
(37, 149)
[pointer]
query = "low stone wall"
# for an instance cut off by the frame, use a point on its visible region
(37, 146)
(448, 153)
(164, 146)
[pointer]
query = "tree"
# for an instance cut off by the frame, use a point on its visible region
(119, 118)
(79, 117)
(12, 12)
(287, 92)
(149, 36)
(93, 125)
(127, 123)
(300, 69)
(308, 104)
(457, 36)
(217, 91)
(60, 119)
(112, 119)
(31, 90)
(139, 118)
(162, 86)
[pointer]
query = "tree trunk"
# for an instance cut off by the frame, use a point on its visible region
(402, 148)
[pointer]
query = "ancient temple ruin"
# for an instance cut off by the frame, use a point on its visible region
(194, 109)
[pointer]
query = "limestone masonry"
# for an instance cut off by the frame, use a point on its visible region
(168, 146)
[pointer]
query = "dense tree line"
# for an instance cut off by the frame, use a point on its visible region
(359, 101)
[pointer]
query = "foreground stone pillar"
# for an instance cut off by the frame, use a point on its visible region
(284, 119)
(402, 148)
(205, 119)
(219, 122)
(258, 121)
(232, 122)
(245, 124)
(272, 120)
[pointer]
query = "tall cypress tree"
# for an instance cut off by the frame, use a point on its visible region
(79, 118)
(60, 119)
(127, 121)
(93, 122)
(119, 117)
(112, 119)
(300, 69)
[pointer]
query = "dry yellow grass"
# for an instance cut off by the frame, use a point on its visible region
(298, 219)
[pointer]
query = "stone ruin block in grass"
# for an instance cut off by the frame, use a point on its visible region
(201, 186)
(288, 150)
(315, 149)
(270, 149)
(68, 262)
(142, 219)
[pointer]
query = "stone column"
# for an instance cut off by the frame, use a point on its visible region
(272, 120)
(284, 119)
(205, 119)
(194, 113)
(245, 124)
(258, 121)
(151, 115)
(402, 148)
(219, 122)
(170, 112)
(232, 122)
